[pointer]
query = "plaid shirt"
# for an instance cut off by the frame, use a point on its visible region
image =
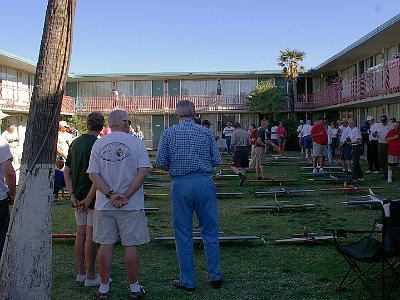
(187, 148)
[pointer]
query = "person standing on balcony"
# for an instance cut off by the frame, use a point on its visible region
(307, 141)
(319, 137)
(372, 146)
(227, 132)
(240, 159)
(299, 129)
(281, 132)
(382, 131)
(189, 152)
(393, 139)
(64, 140)
(354, 139)
(12, 138)
(345, 147)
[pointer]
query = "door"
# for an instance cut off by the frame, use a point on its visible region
(157, 88)
(172, 120)
(174, 88)
(157, 125)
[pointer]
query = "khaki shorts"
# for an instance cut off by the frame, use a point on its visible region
(395, 160)
(129, 225)
(318, 150)
(85, 217)
(259, 155)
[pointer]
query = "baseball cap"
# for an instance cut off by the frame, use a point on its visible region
(3, 115)
(206, 123)
(63, 124)
(393, 119)
(384, 118)
(116, 117)
(370, 118)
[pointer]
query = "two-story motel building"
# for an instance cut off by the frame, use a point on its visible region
(360, 80)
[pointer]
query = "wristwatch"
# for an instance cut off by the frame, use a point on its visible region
(108, 195)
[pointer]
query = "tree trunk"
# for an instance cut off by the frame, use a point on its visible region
(26, 264)
(291, 96)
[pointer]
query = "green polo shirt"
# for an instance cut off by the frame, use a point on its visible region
(78, 162)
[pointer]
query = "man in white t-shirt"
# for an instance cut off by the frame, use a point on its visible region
(274, 134)
(64, 140)
(7, 185)
(13, 141)
(227, 132)
(299, 129)
(307, 141)
(118, 166)
(382, 130)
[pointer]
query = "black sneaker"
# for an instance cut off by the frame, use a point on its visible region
(177, 283)
(259, 178)
(242, 180)
(217, 284)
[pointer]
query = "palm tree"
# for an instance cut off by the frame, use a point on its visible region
(26, 263)
(290, 61)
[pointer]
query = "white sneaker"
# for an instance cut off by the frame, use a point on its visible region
(315, 171)
(368, 172)
(306, 155)
(375, 172)
(80, 278)
(360, 179)
(95, 281)
(321, 170)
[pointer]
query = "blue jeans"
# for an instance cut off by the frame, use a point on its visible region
(191, 193)
(228, 144)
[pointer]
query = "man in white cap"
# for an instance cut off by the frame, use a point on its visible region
(7, 185)
(118, 166)
(64, 140)
(372, 146)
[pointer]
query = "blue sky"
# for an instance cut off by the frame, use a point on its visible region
(130, 36)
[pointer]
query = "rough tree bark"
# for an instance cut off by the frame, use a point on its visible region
(291, 96)
(26, 264)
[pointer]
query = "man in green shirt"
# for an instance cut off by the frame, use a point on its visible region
(83, 194)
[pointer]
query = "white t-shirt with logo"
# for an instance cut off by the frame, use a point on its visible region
(373, 132)
(228, 131)
(299, 129)
(306, 131)
(5, 154)
(117, 158)
(274, 135)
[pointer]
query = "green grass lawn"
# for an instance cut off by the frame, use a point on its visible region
(251, 269)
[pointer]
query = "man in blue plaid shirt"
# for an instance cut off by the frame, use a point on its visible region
(189, 152)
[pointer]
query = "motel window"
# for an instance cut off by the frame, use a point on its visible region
(369, 62)
(144, 121)
(378, 59)
(281, 83)
(3, 73)
(391, 51)
(12, 76)
(246, 87)
(86, 89)
(103, 89)
(230, 87)
(142, 88)
(125, 88)
(199, 87)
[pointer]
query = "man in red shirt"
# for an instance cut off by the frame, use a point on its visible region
(319, 137)
(393, 139)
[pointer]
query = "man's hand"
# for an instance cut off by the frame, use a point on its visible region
(118, 200)
(81, 206)
(73, 201)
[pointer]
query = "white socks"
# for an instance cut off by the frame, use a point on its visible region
(390, 173)
(135, 287)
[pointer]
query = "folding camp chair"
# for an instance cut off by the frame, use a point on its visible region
(373, 251)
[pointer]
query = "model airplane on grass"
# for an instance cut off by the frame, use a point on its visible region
(279, 181)
(332, 179)
(370, 200)
(222, 238)
(305, 238)
(351, 189)
(283, 192)
(324, 173)
(229, 194)
(325, 168)
(280, 205)
(152, 185)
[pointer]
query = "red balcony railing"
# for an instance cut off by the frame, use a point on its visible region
(158, 104)
(17, 98)
(384, 80)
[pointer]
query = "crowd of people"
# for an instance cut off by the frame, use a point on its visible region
(345, 141)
